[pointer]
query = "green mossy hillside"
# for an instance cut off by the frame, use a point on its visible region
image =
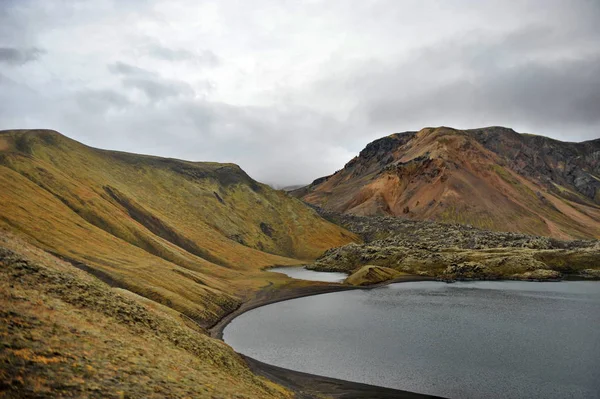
(455, 252)
(192, 236)
(63, 333)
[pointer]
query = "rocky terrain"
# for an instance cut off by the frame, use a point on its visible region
(492, 178)
(453, 251)
(369, 275)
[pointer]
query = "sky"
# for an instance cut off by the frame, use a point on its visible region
(292, 90)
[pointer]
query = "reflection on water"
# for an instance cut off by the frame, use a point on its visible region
(301, 273)
(462, 340)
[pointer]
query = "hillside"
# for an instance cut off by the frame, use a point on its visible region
(491, 178)
(67, 334)
(188, 235)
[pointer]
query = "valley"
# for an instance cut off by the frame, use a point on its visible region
(114, 266)
(299, 199)
(120, 272)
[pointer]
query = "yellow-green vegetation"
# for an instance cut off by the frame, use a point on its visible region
(63, 333)
(504, 174)
(566, 194)
(113, 266)
(370, 274)
(191, 236)
(453, 264)
(453, 252)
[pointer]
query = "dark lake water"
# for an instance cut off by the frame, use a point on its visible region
(301, 273)
(462, 340)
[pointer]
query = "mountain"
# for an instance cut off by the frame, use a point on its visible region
(292, 188)
(492, 178)
(192, 236)
(118, 270)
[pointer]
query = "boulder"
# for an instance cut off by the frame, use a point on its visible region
(371, 274)
(539, 274)
(467, 270)
(590, 274)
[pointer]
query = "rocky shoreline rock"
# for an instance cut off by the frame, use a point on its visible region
(370, 274)
(452, 252)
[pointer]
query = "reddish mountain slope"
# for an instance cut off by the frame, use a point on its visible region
(491, 178)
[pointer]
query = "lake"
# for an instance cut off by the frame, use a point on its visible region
(461, 340)
(299, 272)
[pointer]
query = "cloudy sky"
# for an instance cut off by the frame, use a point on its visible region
(291, 90)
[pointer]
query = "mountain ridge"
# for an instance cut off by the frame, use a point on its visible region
(491, 178)
(193, 236)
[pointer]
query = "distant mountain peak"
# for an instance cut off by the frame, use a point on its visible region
(491, 177)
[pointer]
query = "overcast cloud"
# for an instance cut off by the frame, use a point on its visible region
(292, 90)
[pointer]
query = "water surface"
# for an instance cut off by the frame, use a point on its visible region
(301, 273)
(462, 340)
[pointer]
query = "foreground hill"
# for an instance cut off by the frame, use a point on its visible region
(492, 178)
(64, 333)
(188, 235)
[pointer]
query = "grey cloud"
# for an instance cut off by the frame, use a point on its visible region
(204, 58)
(272, 144)
(159, 89)
(302, 89)
(19, 56)
(100, 101)
(562, 93)
(511, 80)
(17, 99)
(155, 87)
(122, 68)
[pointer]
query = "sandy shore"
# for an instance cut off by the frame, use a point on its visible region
(307, 385)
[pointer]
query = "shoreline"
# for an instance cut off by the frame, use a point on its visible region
(307, 385)
(267, 297)
(312, 386)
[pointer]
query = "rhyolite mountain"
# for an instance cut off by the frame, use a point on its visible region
(492, 178)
